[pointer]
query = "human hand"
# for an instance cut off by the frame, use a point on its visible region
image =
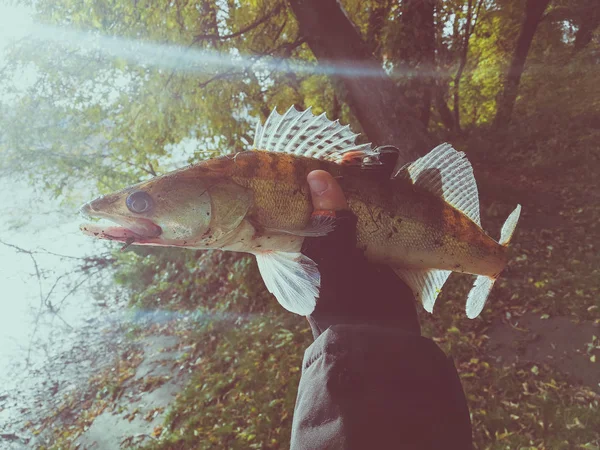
(353, 291)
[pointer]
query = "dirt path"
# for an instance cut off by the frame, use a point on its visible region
(568, 346)
(139, 413)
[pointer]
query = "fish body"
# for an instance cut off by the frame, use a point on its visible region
(421, 219)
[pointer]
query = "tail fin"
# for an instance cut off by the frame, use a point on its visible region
(484, 284)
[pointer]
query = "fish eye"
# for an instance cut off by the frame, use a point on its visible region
(139, 202)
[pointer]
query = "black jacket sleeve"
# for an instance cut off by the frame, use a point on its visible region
(369, 387)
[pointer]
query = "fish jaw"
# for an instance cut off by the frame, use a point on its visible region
(138, 229)
(178, 215)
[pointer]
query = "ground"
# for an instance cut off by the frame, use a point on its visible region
(138, 413)
(556, 341)
(530, 365)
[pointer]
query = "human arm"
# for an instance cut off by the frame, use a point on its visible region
(370, 380)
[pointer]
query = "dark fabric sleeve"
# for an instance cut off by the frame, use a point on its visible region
(347, 279)
(367, 387)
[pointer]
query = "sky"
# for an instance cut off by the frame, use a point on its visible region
(15, 22)
(34, 221)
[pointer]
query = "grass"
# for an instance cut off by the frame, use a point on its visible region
(242, 394)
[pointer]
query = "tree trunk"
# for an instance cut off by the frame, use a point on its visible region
(534, 9)
(373, 98)
(442, 107)
(589, 21)
(418, 52)
(375, 25)
(463, 63)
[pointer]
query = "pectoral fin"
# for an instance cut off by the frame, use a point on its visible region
(292, 278)
(319, 226)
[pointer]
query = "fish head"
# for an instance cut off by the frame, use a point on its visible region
(185, 208)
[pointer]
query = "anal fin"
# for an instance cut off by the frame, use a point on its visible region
(292, 278)
(425, 284)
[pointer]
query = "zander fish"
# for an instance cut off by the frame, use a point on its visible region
(421, 217)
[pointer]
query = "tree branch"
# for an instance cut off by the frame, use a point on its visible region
(219, 76)
(45, 299)
(256, 23)
(534, 10)
(149, 170)
(462, 65)
(375, 100)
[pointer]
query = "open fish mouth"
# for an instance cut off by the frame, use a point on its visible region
(129, 229)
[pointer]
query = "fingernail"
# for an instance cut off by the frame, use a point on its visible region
(317, 185)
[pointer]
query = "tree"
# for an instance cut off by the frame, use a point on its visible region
(198, 77)
(378, 104)
(587, 19)
(534, 10)
(410, 47)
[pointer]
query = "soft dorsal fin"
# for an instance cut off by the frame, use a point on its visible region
(304, 134)
(449, 175)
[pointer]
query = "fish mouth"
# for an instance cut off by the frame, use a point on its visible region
(129, 230)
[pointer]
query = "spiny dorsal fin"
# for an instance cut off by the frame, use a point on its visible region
(449, 175)
(304, 134)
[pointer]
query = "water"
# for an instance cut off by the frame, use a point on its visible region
(53, 332)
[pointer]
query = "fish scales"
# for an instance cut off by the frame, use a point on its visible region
(421, 218)
(278, 183)
(398, 223)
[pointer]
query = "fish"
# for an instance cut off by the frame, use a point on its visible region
(419, 217)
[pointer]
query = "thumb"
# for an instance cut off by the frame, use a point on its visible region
(326, 192)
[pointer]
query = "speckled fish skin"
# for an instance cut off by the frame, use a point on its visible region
(399, 223)
(421, 218)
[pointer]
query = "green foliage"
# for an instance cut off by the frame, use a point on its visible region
(96, 121)
(208, 282)
(242, 395)
(517, 407)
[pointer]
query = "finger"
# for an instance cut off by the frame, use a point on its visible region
(326, 192)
